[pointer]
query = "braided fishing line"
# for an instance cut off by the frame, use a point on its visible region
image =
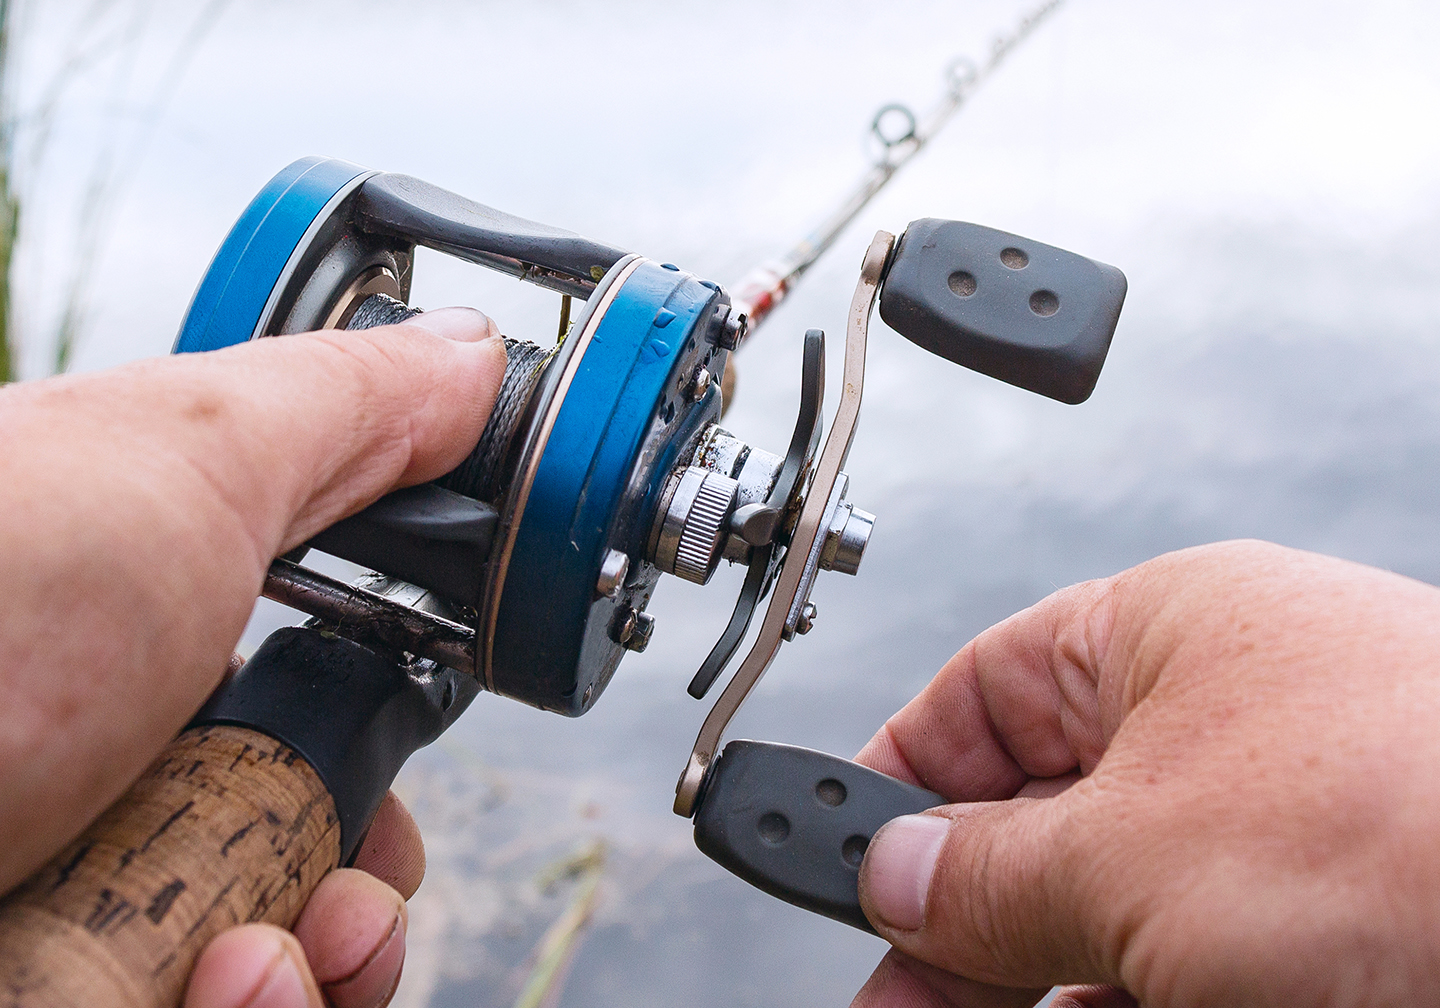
(484, 475)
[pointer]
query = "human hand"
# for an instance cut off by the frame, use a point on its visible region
(348, 944)
(1208, 780)
(142, 508)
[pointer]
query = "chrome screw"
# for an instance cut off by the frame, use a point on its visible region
(806, 622)
(612, 574)
(640, 637)
(624, 626)
(632, 629)
(699, 385)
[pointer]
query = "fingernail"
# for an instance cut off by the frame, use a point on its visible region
(898, 867)
(464, 325)
(283, 986)
(375, 979)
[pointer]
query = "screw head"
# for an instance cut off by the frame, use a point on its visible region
(729, 329)
(699, 385)
(623, 627)
(639, 638)
(806, 622)
(632, 629)
(612, 574)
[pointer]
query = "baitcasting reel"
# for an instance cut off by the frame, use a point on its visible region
(527, 570)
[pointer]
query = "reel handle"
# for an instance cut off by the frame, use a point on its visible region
(795, 822)
(1009, 307)
(226, 826)
(271, 787)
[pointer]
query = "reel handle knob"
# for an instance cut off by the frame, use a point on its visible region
(795, 822)
(1029, 314)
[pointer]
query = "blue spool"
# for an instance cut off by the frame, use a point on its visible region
(231, 299)
(549, 618)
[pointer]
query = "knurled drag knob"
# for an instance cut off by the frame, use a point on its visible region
(694, 522)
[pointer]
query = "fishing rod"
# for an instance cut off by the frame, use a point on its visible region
(765, 286)
(528, 570)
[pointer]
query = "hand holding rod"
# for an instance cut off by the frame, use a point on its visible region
(237, 821)
(226, 826)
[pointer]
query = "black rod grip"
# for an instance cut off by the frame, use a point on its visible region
(795, 822)
(354, 714)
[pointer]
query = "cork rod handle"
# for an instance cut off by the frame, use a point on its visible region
(226, 826)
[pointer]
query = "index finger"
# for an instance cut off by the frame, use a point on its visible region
(1018, 703)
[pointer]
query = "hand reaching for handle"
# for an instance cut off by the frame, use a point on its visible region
(1213, 779)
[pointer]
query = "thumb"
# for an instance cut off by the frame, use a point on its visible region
(317, 425)
(981, 890)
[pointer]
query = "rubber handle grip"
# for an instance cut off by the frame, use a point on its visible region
(226, 826)
(796, 822)
(1010, 307)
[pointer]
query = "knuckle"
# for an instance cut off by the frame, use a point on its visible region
(369, 358)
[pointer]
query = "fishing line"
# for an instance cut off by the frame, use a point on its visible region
(484, 474)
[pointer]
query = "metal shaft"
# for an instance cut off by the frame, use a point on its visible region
(364, 615)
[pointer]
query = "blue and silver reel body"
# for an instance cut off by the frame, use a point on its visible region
(530, 566)
(625, 414)
(550, 569)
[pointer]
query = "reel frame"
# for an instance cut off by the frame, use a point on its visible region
(617, 472)
(614, 412)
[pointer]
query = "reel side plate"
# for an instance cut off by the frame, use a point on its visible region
(624, 422)
(232, 299)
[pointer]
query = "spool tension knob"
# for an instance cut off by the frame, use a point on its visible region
(846, 539)
(695, 518)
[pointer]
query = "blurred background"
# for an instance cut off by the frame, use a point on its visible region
(1267, 175)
